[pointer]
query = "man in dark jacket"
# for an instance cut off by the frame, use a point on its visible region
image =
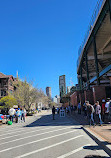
(53, 112)
(90, 112)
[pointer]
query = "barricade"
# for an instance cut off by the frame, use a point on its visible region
(62, 113)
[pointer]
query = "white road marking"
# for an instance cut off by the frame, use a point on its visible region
(36, 151)
(35, 141)
(21, 125)
(30, 131)
(18, 130)
(73, 152)
(34, 135)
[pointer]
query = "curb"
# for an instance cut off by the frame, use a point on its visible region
(99, 141)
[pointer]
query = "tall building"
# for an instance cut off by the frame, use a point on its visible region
(48, 91)
(62, 85)
(56, 99)
(68, 89)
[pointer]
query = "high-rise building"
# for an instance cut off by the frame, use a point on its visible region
(62, 85)
(56, 99)
(68, 89)
(48, 91)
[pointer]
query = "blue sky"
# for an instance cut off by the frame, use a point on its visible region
(40, 38)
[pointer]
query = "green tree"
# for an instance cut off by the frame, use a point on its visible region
(8, 101)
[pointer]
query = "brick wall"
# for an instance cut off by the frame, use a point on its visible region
(66, 104)
(74, 98)
(82, 97)
(88, 94)
(99, 93)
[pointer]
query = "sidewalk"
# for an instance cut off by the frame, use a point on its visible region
(103, 131)
(100, 134)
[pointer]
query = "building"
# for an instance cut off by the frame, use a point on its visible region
(94, 59)
(56, 99)
(62, 85)
(48, 91)
(68, 89)
(6, 84)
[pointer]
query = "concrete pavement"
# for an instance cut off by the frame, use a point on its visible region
(42, 137)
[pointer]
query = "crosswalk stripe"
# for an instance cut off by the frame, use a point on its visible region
(18, 130)
(72, 152)
(30, 131)
(18, 126)
(56, 144)
(34, 135)
(36, 141)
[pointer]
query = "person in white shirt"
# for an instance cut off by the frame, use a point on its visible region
(11, 113)
(107, 106)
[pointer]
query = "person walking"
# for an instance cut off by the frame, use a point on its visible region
(58, 110)
(103, 110)
(11, 113)
(53, 112)
(90, 112)
(23, 113)
(16, 116)
(98, 112)
(79, 108)
(18, 113)
(107, 107)
(85, 109)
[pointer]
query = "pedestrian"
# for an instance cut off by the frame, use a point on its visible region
(18, 113)
(23, 113)
(90, 112)
(103, 109)
(53, 112)
(85, 109)
(107, 106)
(69, 109)
(11, 113)
(16, 116)
(79, 108)
(58, 111)
(98, 112)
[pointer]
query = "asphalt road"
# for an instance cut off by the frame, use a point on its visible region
(42, 137)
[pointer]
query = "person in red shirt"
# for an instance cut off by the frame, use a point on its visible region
(103, 110)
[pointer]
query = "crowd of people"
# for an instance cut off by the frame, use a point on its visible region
(97, 113)
(19, 114)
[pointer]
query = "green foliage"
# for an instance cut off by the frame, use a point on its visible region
(8, 101)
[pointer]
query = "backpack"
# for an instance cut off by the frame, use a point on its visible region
(92, 109)
(9, 122)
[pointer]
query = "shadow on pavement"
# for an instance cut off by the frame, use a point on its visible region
(101, 144)
(92, 147)
(95, 156)
(46, 120)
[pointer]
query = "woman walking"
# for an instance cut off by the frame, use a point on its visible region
(98, 112)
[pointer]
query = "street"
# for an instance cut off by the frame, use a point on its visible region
(42, 137)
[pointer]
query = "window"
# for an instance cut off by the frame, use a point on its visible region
(3, 93)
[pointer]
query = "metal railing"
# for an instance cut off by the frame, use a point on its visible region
(96, 12)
